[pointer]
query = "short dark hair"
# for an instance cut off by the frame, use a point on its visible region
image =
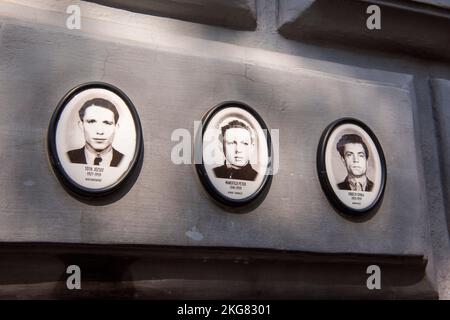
(99, 102)
(350, 138)
(235, 124)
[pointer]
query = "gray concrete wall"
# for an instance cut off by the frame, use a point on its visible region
(405, 26)
(174, 71)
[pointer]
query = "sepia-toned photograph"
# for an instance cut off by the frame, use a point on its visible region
(352, 166)
(95, 137)
(98, 119)
(238, 143)
(354, 155)
(236, 153)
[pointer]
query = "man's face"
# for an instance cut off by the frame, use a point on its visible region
(237, 144)
(355, 159)
(99, 127)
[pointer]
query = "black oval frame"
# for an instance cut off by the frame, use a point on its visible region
(237, 205)
(323, 176)
(128, 177)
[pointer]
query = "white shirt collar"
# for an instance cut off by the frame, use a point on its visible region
(106, 158)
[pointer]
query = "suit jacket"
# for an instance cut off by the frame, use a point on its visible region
(246, 173)
(345, 185)
(78, 156)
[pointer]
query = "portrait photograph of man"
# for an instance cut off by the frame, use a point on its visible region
(354, 155)
(238, 144)
(98, 120)
(351, 166)
(95, 137)
(235, 153)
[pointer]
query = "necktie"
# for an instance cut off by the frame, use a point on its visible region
(97, 161)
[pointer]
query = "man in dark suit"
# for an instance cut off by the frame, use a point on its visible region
(237, 141)
(99, 119)
(354, 154)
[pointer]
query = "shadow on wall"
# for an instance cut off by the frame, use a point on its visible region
(39, 271)
(236, 14)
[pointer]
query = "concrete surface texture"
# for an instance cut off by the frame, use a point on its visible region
(174, 71)
(438, 3)
(237, 14)
(405, 27)
(441, 102)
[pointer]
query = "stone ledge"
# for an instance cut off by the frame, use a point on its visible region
(437, 3)
(407, 27)
(38, 271)
(235, 14)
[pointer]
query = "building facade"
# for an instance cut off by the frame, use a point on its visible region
(301, 64)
